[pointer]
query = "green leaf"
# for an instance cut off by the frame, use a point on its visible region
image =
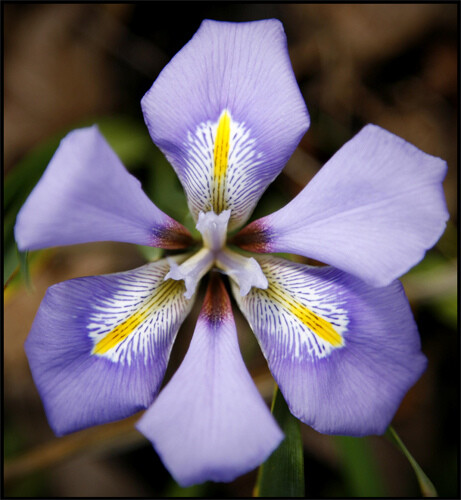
(282, 474)
(359, 468)
(9, 270)
(164, 188)
(22, 178)
(427, 488)
(10, 258)
(447, 310)
(18, 183)
(129, 138)
(151, 254)
(433, 283)
(173, 490)
(24, 268)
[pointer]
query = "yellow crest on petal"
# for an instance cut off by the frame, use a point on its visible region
(320, 326)
(162, 298)
(297, 311)
(220, 161)
(223, 165)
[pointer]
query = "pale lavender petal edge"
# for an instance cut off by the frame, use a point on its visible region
(85, 195)
(210, 423)
(373, 210)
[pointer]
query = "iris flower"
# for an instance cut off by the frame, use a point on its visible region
(340, 339)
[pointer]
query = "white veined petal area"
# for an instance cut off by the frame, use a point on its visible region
(302, 320)
(129, 323)
(224, 169)
(227, 113)
(343, 353)
(99, 346)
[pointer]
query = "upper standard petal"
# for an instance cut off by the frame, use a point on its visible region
(343, 353)
(85, 195)
(99, 346)
(210, 422)
(373, 210)
(227, 113)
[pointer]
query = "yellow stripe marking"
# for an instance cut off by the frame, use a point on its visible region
(221, 156)
(321, 327)
(162, 295)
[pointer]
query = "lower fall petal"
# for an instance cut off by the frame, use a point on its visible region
(343, 353)
(210, 422)
(99, 346)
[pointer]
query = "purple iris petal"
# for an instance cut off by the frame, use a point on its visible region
(82, 380)
(86, 194)
(243, 69)
(343, 353)
(373, 210)
(210, 422)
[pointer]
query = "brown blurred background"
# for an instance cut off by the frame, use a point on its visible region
(395, 65)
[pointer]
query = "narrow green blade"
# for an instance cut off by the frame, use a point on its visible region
(427, 488)
(24, 268)
(282, 475)
(360, 471)
(10, 266)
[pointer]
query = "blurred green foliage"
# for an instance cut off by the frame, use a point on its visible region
(427, 488)
(359, 468)
(282, 474)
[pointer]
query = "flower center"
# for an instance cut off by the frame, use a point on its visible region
(213, 229)
(245, 271)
